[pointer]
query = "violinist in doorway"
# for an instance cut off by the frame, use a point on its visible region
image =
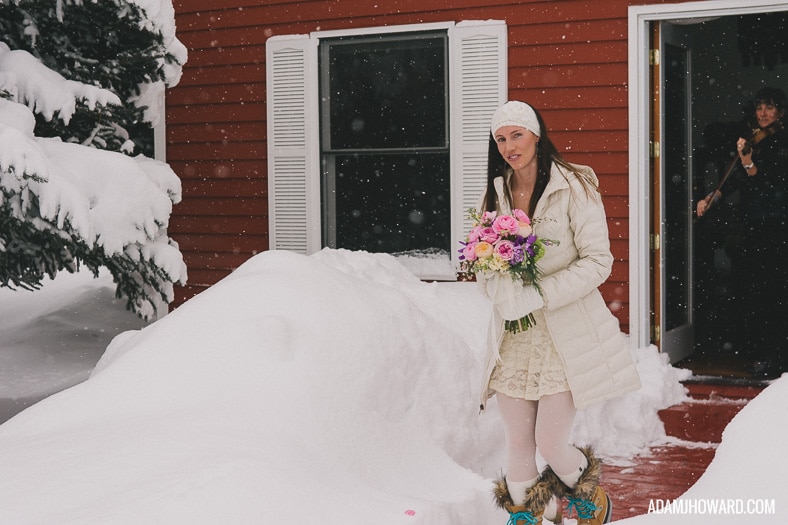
(760, 264)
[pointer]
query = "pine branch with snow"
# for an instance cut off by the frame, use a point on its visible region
(65, 200)
(108, 53)
(64, 204)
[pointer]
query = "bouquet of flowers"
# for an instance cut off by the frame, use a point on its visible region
(506, 247)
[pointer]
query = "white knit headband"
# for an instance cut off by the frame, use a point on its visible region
(515, 113)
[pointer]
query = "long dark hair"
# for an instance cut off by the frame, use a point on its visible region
(546, 154)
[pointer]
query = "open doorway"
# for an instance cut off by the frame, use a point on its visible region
(709, 70)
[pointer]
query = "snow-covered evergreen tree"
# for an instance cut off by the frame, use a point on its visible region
(81, 84)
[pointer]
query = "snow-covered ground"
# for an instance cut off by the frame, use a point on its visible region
(51, 339)
(335, 388)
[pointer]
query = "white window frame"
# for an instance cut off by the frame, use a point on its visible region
(478, 84)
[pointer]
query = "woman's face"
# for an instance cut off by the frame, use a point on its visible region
(767, 114)
(517, 146)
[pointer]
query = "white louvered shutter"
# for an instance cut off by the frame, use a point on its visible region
(478, 77)
(293, 144)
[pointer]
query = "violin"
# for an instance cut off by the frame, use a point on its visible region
(757, 135)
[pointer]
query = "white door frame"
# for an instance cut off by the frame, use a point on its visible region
(639, 94)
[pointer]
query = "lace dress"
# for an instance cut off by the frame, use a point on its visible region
(530, 366)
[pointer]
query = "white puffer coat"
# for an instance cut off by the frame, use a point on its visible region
(586, 334)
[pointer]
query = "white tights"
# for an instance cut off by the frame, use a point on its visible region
(543, 425)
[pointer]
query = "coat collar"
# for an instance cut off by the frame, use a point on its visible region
(558, 181)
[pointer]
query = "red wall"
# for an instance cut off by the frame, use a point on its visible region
(566, 57)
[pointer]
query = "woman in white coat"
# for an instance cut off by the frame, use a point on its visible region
(575, 354)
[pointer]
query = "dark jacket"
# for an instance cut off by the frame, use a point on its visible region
(763, 198)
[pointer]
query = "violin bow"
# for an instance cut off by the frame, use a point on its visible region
(755, 137)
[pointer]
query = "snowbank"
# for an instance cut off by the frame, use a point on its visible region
(745, 481)
(336, 386)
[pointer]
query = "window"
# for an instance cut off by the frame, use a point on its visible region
(377, 138)
(384, 143)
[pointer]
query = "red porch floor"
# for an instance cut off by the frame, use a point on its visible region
(666, 472)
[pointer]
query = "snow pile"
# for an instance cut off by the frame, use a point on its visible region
(618, 428)
(745, 480)
(335, 385)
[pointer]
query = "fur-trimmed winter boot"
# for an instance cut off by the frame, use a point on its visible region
(589, 500)
(532, 511)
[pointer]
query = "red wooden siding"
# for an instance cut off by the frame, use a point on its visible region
(567, 57)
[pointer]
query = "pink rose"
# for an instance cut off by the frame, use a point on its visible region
(521, 216)
(488, 235)
(475, 234)
(505, 225)
(505, 250)
(469, 252)
(489, 216)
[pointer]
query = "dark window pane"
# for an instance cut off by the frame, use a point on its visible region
(392, 202)
(387, 92)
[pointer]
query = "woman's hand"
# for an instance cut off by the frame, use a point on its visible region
(746, 158)
(704, 204)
